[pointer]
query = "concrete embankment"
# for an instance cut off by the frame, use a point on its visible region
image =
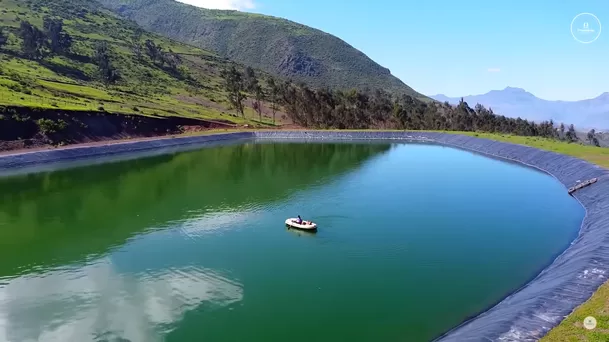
(525, 315)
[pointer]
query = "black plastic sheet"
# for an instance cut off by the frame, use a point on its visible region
(528, 313)
(72, 156)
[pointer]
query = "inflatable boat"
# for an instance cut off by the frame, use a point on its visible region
(305, 225)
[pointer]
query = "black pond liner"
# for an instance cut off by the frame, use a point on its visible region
(75, 156)
(531, 311)
(525, 315)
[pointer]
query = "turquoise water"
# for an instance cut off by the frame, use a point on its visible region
(192, 246)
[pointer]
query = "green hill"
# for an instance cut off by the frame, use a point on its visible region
(275, 45)
(174, 80)
(67, 66)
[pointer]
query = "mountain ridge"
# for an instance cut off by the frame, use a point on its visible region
(517, 89)
(278, 46)
(517, 102)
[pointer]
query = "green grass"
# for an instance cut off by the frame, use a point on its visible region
(571, 328)
(79, 90)
(596, 155)
(266, 43)
(145, 89)
(70, 82)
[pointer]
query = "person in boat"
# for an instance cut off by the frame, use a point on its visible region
(299, 220)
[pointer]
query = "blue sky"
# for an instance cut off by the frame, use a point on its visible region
(463, 47)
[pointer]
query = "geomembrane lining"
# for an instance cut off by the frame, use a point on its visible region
(525, 315)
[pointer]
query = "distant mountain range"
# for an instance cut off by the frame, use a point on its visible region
(517, 102)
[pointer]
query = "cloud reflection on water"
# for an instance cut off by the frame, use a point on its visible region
(94, 302)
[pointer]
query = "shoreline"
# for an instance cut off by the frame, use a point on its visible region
(529, 312)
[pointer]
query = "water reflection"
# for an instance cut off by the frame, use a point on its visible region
(121, 251)
(61, 217)
(165, 246)
(302, 233)
(95, 302)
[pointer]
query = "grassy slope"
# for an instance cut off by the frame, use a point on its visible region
(596, 155)
(275, 45)
(571, 329)
(70, 82)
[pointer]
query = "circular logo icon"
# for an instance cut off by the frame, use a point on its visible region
(590, 323)
(585, 28)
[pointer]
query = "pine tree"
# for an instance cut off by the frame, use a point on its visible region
(571, 134)
(273, 95)
(250, 80)
(3, 39)
(107, 72)
(593, 139)
(60, 41)
(233, 84)
(34, 40)
(259, 96)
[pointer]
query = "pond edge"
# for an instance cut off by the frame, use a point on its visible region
(525, 315)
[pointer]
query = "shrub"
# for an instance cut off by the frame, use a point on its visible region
(21, 118)
(48, 126)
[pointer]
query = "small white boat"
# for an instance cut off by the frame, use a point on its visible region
(305, 225)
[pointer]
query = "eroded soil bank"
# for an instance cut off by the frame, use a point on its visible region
(32, 128)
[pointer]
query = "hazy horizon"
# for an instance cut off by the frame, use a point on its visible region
(498, 90)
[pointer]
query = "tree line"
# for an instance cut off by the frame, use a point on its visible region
(52, 39)
(3, 38)
(305, 106)
(362, 109)
(238, 85)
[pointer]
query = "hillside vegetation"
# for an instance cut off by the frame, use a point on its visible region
(79, 56)
(514, 102)
(278, 46)
(68, 67)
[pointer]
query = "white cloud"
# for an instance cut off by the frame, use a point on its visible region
(238, 5)
(77, 303)
(493, 70)
(81, 303)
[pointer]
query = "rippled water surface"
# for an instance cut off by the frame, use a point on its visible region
(192, 246)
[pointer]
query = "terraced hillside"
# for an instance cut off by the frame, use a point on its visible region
(147, 76)
(278, 46)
